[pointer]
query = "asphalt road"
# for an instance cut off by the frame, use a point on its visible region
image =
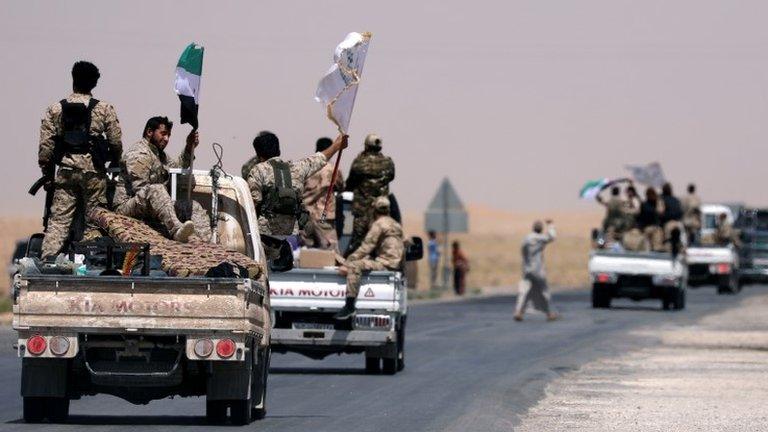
(469, 367)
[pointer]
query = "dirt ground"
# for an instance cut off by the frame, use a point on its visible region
(493, 246)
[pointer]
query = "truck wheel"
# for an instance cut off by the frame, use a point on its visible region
(216, 411)
(259, 411)
(240, 411)
(600, 298)
(58, 409)
(401, 347)
(389, 365)
(372, 365)
(34, 409)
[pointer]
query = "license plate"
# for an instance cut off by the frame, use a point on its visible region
(312, 326)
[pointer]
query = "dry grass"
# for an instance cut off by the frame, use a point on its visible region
(493, 246)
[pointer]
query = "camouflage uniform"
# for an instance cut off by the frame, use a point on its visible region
(369, 178)
(77, 176)
(319, 233)
(261, 179)
(691, 215)
(248, 166)
(142, 190)
(381, 249)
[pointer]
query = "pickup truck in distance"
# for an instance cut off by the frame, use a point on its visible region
(150, 336)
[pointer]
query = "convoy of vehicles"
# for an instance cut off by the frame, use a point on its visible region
(753, 250)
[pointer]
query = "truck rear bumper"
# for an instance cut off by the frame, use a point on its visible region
(332, 338)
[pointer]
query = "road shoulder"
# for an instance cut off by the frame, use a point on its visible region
(709, 375)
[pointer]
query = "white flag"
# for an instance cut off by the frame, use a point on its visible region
(338, 88)
(649, 175)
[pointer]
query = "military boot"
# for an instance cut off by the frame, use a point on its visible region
(348, 311)
(184, 231)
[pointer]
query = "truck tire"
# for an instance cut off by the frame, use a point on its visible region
(728, 284)
(259, 410)
(240, 411)
(372, 365)
(601, 299)
(401, 346)
(34, 409)
(216, 411)
(58, 409)
(389, 365)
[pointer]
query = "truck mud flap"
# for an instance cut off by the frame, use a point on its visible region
(230, 380)
(44, 377)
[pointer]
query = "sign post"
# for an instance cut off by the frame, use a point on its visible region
(446, 214)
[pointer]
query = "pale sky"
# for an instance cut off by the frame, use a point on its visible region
(518, 102)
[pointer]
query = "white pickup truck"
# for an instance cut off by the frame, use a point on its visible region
(305, 300)
(710, 263)
(638, 275)
(147, 337)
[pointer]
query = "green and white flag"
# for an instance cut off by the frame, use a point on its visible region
(593, 187)
(187, 85)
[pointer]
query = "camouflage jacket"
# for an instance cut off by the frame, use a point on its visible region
(248, 166)
(103, 122)
(145, 164)
(369, 178)
(262, 177)
(384, 243)
(315, 190)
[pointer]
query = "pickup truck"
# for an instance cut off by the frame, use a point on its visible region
(149, 337)
(305, 300)
(638, 276)
(710, 263)
(753, 253)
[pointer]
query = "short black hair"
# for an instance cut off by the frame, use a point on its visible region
(85, 75)
(155, 122)
(615, 190)
(323, 143)
(266, 145)
(666, 189)
(691, 188)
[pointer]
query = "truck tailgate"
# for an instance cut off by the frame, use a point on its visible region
(161, 304)
(325, 289)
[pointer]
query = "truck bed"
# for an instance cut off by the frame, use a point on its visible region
(150, 304)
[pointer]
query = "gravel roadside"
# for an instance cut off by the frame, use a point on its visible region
(710, 375)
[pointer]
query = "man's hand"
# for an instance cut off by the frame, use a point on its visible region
(340, 143)
(193, 139)
(343, 141)
(343, 270)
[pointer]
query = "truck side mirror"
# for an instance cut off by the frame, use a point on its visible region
(35, 246)
(414, 249)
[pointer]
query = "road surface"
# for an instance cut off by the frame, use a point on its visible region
(469, 367)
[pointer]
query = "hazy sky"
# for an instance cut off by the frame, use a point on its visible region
(518, 102)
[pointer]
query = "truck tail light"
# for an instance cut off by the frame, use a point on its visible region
(225, 348)
(36, 345)
(203, 347)
(605, 278)
(372, 321)
(59, 345)
(721, 268)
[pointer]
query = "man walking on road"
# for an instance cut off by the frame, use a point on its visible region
(433, 249)
(534, 287)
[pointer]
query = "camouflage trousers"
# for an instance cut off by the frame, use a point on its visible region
(72, 184)
(360, 226)
(355, 271)
(321, 235)
(151, 202)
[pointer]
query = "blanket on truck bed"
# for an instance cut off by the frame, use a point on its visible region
(179, 259)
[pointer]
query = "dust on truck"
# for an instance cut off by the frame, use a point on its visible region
(147, 337)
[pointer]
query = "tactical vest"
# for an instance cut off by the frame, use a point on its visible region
(76, 135)
(280, 199)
